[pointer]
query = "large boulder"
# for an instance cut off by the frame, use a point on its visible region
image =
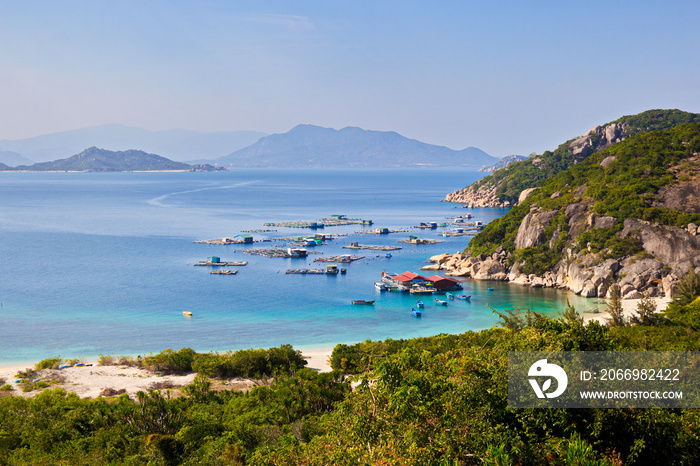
(576, 278)
(640, 273)
(674, 246)
(531, 230)
(525, 193)
(490, 269)
(589, 290)
(440, 258)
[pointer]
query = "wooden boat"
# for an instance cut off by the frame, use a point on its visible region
(416, 312)
(187, 313)
(440, 302)
(362, 301)
(464, 297)
(449, 296)
(420, 304)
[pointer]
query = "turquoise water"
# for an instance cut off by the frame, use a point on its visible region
(96, 263)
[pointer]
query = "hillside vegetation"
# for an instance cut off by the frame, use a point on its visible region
(503, 187)
(627, 186)
(618, 205)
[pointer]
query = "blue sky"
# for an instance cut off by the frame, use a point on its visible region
(504, 76)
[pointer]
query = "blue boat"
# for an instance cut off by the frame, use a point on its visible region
(449, 296)
(420, 304)
(464, 297)
(490, 289)
(416, 312)
(440, 302)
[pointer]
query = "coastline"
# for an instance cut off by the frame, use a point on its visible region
(629, 308)
(90, 381)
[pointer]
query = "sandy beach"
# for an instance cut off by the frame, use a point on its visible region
(92, 380)
(629, 307)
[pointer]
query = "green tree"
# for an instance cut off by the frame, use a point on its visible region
(570, 315)
(646, 311)
(614, 308)
(688, 287)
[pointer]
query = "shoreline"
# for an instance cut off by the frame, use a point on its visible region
(629, 308)
(91, 381)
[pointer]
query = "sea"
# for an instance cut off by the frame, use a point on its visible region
(103, 263)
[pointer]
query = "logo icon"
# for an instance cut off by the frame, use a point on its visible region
(542, 368)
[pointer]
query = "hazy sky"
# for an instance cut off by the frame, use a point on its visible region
(504, 76)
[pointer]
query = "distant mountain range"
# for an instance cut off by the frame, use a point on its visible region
(304, 146)
(177, 144)
(308, 146)
(100, 160)
(503, 163)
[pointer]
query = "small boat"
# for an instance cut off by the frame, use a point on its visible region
(388, 255)
(416, 312)
(440, 302)
(362, 301)
(464, 297)
(490, 289)
(420, 304)
(449, 296)
(187, 313)
(380, 286)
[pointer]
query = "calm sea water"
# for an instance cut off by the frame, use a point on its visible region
(96, 263)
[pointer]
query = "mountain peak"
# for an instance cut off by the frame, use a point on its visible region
(310, 146)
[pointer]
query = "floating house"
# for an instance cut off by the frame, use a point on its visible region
(297, 252)
(409, 281)
(403, 281)
(445, 283)
(245, 239)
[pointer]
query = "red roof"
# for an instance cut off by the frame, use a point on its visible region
(436, 278)
(408, 277)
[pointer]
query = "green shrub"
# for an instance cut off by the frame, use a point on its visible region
(6, 387)
(50, 363)
(106, 360)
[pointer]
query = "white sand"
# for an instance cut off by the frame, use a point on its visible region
(90, 381)
(629, 308)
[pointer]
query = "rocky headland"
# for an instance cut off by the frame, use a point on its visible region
(625, 210)
(668, 252)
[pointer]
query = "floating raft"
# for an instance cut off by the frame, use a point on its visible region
(328, 271)
(344, 259)
(224, 241)
(457, 233)
(382, 231)
(420, 241)
(221, 264)
(334, 221)
(276, 252)
(375, 248)
(224, 272)
(258, 231)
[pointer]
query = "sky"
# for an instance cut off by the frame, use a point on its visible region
(509, 77)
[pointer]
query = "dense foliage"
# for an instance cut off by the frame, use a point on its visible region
(625, 188)
(253, 363)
